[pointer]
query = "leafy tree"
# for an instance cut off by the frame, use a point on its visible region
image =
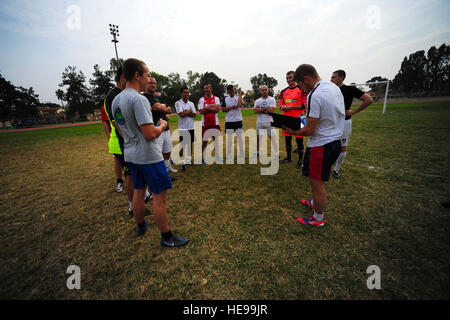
(249, 98)
(378, 89)
(263, 79)
(77, 94)
(60, 95)
(100, 86)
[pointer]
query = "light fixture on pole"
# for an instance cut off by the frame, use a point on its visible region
(115, 33)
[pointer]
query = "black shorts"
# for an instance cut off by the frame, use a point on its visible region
(318, 160)
(123, 163)
(185, 132)
(233, 125)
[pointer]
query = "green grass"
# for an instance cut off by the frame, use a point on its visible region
(58, 207)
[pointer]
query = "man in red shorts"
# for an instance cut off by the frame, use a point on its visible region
(209, 107)
(292, 103)
(325, 113)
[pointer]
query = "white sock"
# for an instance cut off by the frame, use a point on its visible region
(131, 205)
(147, 194)
(312, 203)
(340, 161)
(167, 164)
(317, 216)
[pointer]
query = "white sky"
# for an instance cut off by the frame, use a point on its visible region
(234, 39)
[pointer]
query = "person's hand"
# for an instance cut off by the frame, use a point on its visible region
(349, 113)
(241, 93)
(288, 130)
(162, 123)
(283, 108)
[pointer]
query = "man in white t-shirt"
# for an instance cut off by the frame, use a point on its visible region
(231, 105)
(325, 113)
(186, 114)
(262, 107)
(209, 107)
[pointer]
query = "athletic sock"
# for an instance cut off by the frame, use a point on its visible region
(317, 216)
(312, 202)
(166, 235)
(340, 161)
(167, 164)
(131, 205)
(147, 194)
(141, 225)
(288, 146)
(120, 180)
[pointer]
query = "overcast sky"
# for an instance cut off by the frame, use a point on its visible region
(236, 39)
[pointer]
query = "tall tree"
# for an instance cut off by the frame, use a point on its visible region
(77, 94)
(378, 89)
(61, 97)
(100, 86)
(263, 79)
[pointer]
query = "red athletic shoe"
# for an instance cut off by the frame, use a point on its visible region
(311, 221)
(307, 203)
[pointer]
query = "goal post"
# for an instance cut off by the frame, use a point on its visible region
(374, 83)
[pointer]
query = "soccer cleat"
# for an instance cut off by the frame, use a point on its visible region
(311, 221)
(172, 169)
(183, 167)
(174, 241)
(150, 197)
(336, 175)
(299, 164)
(286, 160)
(173, 179)
(141, 231)
(131, 214)
(119, 187)
(307, 203)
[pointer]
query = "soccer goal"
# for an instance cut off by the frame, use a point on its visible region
(369, 84)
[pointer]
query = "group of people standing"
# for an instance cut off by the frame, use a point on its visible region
(140, 140)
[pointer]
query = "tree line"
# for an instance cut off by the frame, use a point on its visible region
(420, 74)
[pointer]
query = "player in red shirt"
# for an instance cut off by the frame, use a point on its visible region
(292, 103)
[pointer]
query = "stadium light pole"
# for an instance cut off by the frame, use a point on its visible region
(115, 33)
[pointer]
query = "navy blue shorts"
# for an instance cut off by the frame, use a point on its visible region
(154, 175)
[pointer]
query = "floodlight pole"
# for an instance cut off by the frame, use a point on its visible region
(115, 33)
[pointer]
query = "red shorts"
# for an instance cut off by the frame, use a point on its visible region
(206, 128)
(318, 160)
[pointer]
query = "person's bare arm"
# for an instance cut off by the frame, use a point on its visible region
(150, 131)
(366, 101)
(107, 129)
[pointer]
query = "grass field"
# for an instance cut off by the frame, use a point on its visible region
(58, 207)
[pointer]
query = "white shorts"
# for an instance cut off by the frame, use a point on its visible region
(265, 128)
(165, 141)
(347, 132)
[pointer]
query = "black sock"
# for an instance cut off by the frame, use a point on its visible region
(141, 225)
(288, 146)
(119, 180)
(166, 235)
(300, 148)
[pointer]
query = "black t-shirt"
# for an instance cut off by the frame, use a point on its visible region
(350, 92)
(157, 114)
(109, 99)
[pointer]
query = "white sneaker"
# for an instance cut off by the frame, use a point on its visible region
(172, 169)
(119, 187)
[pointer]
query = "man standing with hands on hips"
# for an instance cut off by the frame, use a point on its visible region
(142, 152)
(325, 113)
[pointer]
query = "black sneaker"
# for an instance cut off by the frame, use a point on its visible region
(336, 175)
(130, 212)
(299, 164)
(173, 179)
(174, 241)
(183, 167)
(286, 160)
(141, 231)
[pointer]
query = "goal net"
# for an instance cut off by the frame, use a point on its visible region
(379, 89)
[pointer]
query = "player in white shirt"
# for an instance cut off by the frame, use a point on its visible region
(186, 114)
(231, 105)
(262, 107)
(325, 113)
